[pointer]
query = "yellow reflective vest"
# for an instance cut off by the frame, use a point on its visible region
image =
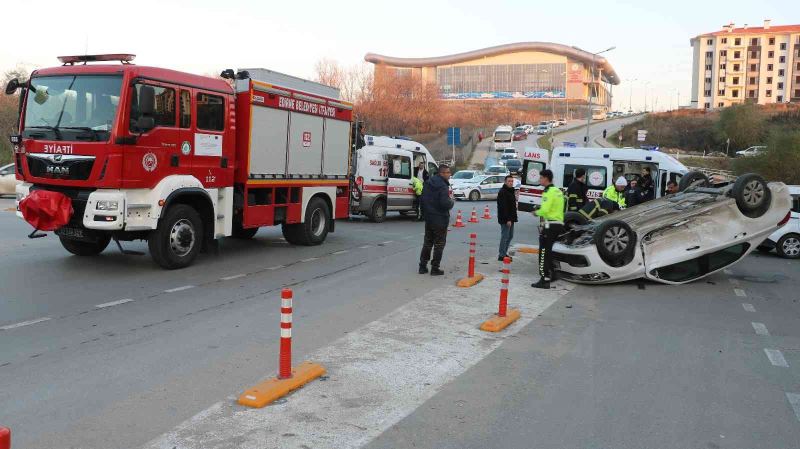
(618, 197)
(552, 209)
(417, 185)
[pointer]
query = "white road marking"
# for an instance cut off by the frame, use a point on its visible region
(794, 400)
(276, 267)
(235, 276)
(340, 252)
(727, 271)
(365, 247)
(178, 289)
(739, 292)
(24, 323)
(760, 329)
(379, 373)
(776, 358)
(409, 237)
(748, 307)
(387, 242)
(113, 303)
(309, 259)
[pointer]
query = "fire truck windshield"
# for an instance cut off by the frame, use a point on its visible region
(72, 107)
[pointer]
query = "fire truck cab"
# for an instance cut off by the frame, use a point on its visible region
(181, 160)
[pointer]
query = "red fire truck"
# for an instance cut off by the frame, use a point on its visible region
(116, 151)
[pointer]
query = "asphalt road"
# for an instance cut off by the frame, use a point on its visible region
(714, 364)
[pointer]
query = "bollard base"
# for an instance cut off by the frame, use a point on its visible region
(528, 250)
(469, 281)
(272, 389)
(498, 323)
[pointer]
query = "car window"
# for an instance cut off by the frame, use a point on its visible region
(432, 168)
(531, 170)
(399, 167)
(699, 266)
(595, 176)
(7, 170)
(164, 111)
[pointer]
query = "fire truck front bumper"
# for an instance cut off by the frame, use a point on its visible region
(101, 210)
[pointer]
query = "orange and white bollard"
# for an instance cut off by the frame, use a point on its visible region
(505, 316)
(486, 214)
(288, 379)
(5, 438)
(474, 217)
(459, 223)
(472, 278)
(285, 357)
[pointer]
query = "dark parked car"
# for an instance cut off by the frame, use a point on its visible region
(520, 135)
(514, 166)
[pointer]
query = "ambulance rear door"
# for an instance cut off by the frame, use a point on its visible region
(400, 191)
(534, 160)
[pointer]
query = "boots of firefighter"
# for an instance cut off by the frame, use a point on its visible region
(423, 269)
(541, 284)
(435, 271)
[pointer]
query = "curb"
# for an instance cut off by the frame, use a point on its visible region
(497, 323)
(272, 389)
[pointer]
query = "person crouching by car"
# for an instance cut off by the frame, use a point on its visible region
(551, 225)
(506, 215)
(436, 205)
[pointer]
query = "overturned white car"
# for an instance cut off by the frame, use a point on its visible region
(675, 239)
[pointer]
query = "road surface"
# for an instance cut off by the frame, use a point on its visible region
(113, 352)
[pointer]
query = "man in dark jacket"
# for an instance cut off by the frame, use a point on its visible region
(633, 194)
(646, 185)
(436, 205)
(506, 215)
(576, 192)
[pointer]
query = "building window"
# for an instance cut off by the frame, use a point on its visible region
(769, 93)
(770, 54)
(708, 66)
(797, 80)
(737, 54)
(782, 59)
(751, 93)
(736, 67)
(710, 42)
(724, 40)
(772, 41)
(781, 72)
(769, 80)
(722, 66)
(753, 67)
(797, 93)
(494, 81)
(723, 53)
(735, 93)
(709, 54)
(707, 106)
(721, 92)
(708, 80)
(780, 86)
(769, 67)
(720, 104)
(707, 93)
(754, 41)
(737, 41)
(721, 79)
(735, 80)
(753, 55)
(797, 67)
(783, 45)
(780, 98)
(752, 80)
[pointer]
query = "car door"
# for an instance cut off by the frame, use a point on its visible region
(491, 186)
(400, 191)
(212, 154)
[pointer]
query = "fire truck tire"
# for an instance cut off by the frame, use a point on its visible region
(316, 225)
(81, 248)
(378, 211)
(178, 239)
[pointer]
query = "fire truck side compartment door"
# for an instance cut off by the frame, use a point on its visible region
(334, 152)
(268, 141)
(305, 144)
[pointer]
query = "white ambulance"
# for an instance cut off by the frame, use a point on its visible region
(602, 166)
(382, 173)
(503, 137)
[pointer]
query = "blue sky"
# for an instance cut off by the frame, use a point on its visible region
(652, 38)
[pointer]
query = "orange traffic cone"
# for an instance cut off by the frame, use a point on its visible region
(474, 217)
(459, 223)
(486, 214)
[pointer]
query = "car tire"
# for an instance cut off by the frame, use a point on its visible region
(178, 239)
(81, 248)
(572, 219)
(377, 212)
(752, 195)
(789, 246)
(615, 242)
(693, 179)
(474, 195)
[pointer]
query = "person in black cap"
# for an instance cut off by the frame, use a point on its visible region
(576, 192)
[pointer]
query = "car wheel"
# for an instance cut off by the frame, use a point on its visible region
(692, 179)
(81, 248)
(474, 195)
(752, 195)
(378, 212)
(615, 242)
(789, 246)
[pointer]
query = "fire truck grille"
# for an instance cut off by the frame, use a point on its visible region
(78, 169)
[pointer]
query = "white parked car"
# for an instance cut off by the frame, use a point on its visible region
(751, 151)
(786, 240)
(510, 151)
(462, 176)
(562, 122)
(496, 170)
(528, 128)
(8, 180)
(542, 130)
(482, 187)
(676, 239)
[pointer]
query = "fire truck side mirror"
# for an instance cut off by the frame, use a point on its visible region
(145, 123)
(12, 86)
(147, 100)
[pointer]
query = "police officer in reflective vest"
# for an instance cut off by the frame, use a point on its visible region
(417, 185)
(551, 225)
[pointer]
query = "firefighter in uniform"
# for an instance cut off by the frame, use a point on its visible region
(576, 192)
(551, 225)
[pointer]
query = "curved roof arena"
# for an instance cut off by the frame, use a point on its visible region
(609, 74)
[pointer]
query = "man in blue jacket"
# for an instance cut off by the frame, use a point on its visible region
(436, 205)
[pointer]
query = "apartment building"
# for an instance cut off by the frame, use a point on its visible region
(746, 65)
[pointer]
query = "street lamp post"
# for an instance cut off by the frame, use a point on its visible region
(630, 93)
(589, 102)
(646, 83)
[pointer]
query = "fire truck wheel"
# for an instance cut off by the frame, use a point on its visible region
(178, 239)
(378, 212)
(80, 248)
(315, 228)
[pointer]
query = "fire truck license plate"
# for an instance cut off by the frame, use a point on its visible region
(68, 231)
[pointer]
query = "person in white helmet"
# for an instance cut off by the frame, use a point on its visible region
(616, 193)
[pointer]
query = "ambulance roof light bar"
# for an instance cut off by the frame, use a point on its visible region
(124, 58)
